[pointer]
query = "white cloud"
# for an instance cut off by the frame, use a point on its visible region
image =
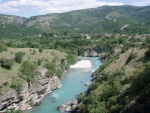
(49, 6)
(68, 5)
(141, 3)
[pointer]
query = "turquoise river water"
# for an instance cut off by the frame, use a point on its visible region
(71, 87)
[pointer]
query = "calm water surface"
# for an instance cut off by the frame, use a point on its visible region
(71, 87)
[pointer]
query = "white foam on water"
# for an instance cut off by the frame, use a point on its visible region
(56, 96)
(93, 70)
(86, 69)
(82, 64)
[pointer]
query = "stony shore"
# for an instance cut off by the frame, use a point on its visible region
(69, 106)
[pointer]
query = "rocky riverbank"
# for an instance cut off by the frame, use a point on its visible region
(31, 94)
(92, 53)
(72, 105)
(68, 106)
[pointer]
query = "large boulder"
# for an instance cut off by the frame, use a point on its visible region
(88, 84)
(68, 102)
(73, 107)
(75, 102)
(68, 108)
(62, 108)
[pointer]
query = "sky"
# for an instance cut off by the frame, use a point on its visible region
(28, 8)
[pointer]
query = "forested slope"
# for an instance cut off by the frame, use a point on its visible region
(122, 83)
(101, 20)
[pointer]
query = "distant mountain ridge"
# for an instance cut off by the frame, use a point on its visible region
(105, 19)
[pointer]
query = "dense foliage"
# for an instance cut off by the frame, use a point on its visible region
(16, 85)
(19, 57)
(3, 47)
(28, 71)
(17, 111)
(118, 91)
(6, 63)
(106, 19)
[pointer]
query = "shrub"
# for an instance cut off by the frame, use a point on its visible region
(39, 62)
(50, 73)
(16, 85)
(19, 57)
(31, 103)
(50, 66)
(34, 51)
(141, 80)
(131, 56)
(59, 72)
(40, 49)
(17, 111)
(147, 54)
(3, 47)
(28, 71)
(6, 63)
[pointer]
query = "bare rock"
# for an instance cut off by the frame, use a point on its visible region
(7, 99)
(88, 84)
(73, 107)
(62, 108)
(68, 102)
(38, 103)
(68, 108)
(75, 102)
(35, 92)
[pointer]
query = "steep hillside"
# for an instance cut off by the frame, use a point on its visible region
(13, 27)
(121, 84)
(27, 75)
(105, 19)
(8, 19)
(32, 55)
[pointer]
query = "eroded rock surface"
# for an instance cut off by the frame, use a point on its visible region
(30, 93)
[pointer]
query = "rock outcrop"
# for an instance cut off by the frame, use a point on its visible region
(87, 84)
(90, 53)
(31, 93)
(68, 106)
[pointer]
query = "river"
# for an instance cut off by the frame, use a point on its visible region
(71, 85)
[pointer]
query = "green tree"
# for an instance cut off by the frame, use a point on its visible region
(6, 63)
(28, 71)
(39, 62)
(59, 72)
(51, 66)
(12, 111)
(147, 42)
(19, 57)
(141, 80)
(3, 47)
(50, 73)
(16, 85)
(40, 49)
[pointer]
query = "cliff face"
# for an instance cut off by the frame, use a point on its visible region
(8, 19)
(31, 94)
